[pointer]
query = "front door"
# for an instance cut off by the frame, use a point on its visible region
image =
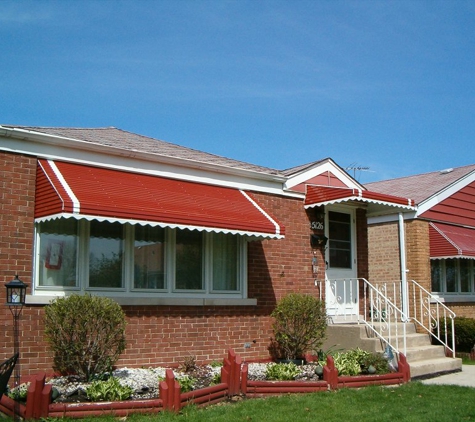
(341, 296)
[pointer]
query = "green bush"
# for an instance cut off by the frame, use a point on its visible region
(357, 361)
(110, 390)
(282, 371)
(300, 323)
(85, 333)
(464, 333)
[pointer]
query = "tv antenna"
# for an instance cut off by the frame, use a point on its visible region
(355, 167)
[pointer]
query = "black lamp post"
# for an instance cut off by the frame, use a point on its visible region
(16, 293)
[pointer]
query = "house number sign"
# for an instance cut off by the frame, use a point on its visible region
(316, 225)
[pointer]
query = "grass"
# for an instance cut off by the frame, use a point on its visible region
(410, 402)
(467, 361)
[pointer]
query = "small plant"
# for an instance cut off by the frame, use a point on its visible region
(377, 361)
(189, 364)
(187, 383)
(282, 371)
(299, 325)
(86, 334)
(19, 393)
(110, 390)
(216, 379)
(216, 364)
(347, 363)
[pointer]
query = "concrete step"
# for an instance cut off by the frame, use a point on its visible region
(412, 340)
(434, 367)
(428, 352)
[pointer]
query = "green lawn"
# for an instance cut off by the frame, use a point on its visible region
(411, 402)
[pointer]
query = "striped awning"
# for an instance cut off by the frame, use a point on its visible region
(448, 241)
(82, 191)
(326, 195)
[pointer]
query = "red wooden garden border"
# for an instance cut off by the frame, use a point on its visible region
(234, 381)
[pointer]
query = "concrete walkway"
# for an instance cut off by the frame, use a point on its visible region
(465, 378)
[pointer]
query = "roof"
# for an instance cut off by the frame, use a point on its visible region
(128, 141)
(423, 186)
(86, 192)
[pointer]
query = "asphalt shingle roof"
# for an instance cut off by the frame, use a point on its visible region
(118, 138)
(423, 186)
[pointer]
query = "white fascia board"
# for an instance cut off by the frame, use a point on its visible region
(391, 218)
(445, 193)
(65, 149)
(328, 165)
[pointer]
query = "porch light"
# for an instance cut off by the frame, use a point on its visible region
(16, 293)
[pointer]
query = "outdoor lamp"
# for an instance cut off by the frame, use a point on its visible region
(16, 294)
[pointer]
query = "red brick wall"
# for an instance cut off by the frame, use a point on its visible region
(162, 334)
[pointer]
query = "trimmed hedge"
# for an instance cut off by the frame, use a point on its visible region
(464, 333)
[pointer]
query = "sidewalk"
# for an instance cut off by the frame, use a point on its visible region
(465, 378)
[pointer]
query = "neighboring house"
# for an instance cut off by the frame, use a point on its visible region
(196, 248)
(439, 236)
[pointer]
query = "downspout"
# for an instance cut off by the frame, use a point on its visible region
(402, 251)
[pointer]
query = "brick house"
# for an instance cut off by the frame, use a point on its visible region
(439, 235)
(195, 247)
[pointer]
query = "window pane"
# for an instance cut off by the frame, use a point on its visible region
(58, 253)
(225, 262)
(149, 254)
(105, 254)
(451, 275)
(189, 260)
(340, 240)
(436, 275)
(465, 275)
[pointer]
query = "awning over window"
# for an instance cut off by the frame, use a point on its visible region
(325, 195)
(80, 191)
(447, 241)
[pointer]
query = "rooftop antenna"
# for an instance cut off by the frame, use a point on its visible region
(354, 167)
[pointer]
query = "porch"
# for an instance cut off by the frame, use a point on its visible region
(397, 317)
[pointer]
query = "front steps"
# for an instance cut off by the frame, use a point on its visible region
(425, 359)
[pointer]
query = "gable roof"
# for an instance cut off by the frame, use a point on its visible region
(131, 142)
(423, 186)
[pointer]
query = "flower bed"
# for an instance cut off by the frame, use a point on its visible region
(234, 381)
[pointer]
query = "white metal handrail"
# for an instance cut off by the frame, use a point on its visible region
(382, 316)
(428, 312)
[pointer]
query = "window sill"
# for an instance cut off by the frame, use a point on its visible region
(157, 301)
(456, 299)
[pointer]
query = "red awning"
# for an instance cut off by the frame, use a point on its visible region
(80, 191)
(325, 195)
(447, 241)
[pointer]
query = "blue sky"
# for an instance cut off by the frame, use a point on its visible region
(388, 85)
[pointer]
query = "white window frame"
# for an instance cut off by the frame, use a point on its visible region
(130, 295)
(458, 293)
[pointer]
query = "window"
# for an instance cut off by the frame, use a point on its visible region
(149, 258)
(452, 276)
(125, 259)
(57, 261)
(340, 239)
(106, 249)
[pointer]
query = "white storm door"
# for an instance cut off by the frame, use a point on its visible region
(341, 297)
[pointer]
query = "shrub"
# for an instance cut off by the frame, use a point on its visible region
(110, 390)
(282, 371)
(464, 333)
(85, 333)
(299, 325)
(357, 361)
